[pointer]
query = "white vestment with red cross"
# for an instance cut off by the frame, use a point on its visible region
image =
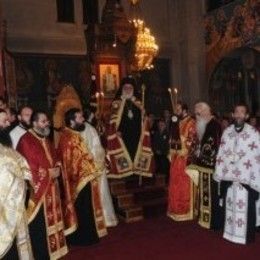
(238, 161)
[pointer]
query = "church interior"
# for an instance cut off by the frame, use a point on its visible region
(63, 54)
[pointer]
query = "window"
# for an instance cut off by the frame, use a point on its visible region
(90, 11)
(65, 11)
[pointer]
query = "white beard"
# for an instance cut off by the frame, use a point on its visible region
(127, 96)
(201, 127)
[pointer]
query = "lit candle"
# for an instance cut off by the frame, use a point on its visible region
(98, 103)
(97, 96)
(102, 103)
(176, 96)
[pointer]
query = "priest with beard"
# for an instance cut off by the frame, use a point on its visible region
(181, 199)
(4, 124)
(24, 117)
(238, 172)
(46, 225)
(203, 159)
(80, 176)
(128, 141)
(15, 240)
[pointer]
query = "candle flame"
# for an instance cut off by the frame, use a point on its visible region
(169, 90)
(176, 90)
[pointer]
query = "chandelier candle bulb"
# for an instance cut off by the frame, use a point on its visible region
(146, 48)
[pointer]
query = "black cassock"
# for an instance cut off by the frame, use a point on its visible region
(130, 127)
(86, 233)
(12, 254)
(37, 232)
(211, 215)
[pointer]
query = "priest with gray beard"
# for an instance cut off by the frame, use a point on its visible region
(202, 166)
(128, 136)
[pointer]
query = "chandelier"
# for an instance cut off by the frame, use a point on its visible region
(145, 49)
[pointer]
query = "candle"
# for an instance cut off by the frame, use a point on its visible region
(97, 96)
(98, 103)
(176, 96)
(102, 103)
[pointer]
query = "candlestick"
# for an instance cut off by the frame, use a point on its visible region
(143, 95)
(176, 96)
(172, 101)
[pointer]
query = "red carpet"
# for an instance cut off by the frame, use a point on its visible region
(161, 238)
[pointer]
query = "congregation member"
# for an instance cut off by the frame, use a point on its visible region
(254, 121)
(12, 118)
(224, 122)
(238, 172)
(161, 147)
(168, 119)
(3, 103)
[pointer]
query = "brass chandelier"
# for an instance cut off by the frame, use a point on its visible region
(145, 49)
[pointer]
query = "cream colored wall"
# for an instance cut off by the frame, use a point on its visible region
(178, 27)
(156, 14)
(176, 24)
(32, 27)
(189, 50)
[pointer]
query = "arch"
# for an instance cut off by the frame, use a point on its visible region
(236, 78)
(229, 28)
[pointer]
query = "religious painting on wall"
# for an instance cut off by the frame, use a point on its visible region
(238, 76)
(109, 78)
(2, 82)
(10, 79)
(230, 27)
(39, 79)
(109, 71)
(157, 81)
(214, 4)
